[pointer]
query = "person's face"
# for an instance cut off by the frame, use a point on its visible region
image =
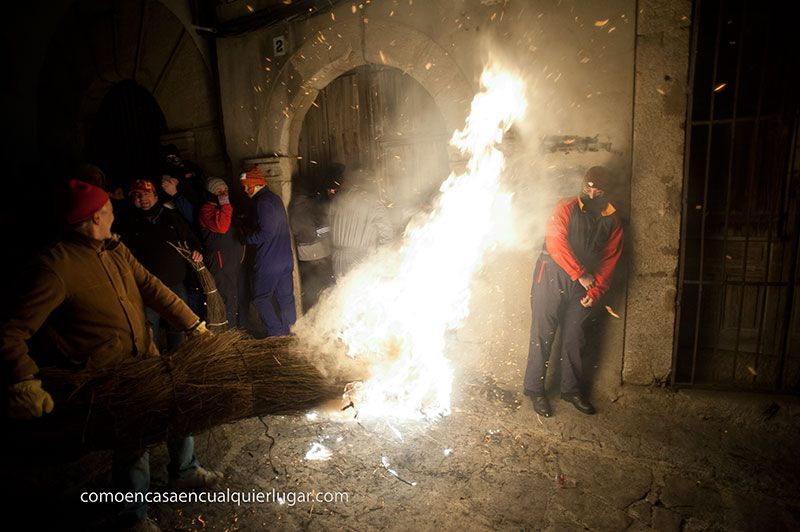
(105, 217)
(592, 192)
(250, 190)
(143, 199)
(221, 191)
(174, 159)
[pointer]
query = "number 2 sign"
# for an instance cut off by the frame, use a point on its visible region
(279, 45)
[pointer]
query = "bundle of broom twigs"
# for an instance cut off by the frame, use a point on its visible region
(210, 380)
(216, 315)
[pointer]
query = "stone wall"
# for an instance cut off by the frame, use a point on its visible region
(94, 47)
(662, 65)
(578, 61)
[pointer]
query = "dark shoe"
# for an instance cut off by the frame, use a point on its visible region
(579, 402)
(541, 405)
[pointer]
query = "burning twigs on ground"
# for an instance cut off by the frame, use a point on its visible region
(375, 309)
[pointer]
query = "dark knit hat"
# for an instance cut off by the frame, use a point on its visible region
(597, 177)
(83, 200)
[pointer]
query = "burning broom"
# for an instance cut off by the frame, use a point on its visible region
(208, 381)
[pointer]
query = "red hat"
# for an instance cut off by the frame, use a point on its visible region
(142, 185)
(254, 177)
(251, 179)
(83, 200)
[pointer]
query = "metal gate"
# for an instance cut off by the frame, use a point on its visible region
(738, 323)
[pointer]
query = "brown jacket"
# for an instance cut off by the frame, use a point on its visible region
(89, 295)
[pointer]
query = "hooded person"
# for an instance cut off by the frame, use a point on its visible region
(582, 247)
(270, 251)
(88, 292)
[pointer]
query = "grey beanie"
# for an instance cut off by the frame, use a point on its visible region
(213, 183)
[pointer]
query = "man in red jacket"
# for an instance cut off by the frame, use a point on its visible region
(582, 247)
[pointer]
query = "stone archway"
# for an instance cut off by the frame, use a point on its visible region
(325, 55)
(98, 46)
(341, 47)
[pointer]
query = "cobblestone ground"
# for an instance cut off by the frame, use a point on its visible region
(650, 459)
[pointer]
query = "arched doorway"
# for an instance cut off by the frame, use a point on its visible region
(381, 119)
(124, 138)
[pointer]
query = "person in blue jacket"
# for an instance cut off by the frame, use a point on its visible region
(270, 249)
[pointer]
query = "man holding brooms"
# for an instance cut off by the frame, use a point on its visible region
(88, 294)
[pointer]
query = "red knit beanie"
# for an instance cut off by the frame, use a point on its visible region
(253, 177)
(83, 200)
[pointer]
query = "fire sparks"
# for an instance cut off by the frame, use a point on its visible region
(394, 310)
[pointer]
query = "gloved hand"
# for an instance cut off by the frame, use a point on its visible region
(198, 330)
(27, 400)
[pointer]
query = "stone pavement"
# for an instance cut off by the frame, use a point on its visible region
(652, 459)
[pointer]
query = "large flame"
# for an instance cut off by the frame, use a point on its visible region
(395, 308)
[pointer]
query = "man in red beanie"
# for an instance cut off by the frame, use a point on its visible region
(272, 262)
(88, 292)
(574, 270)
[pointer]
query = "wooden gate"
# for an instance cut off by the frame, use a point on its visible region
(383, 120)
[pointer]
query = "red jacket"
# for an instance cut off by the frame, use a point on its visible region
(581, 242)
(216, 218)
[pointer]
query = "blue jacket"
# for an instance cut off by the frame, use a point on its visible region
(271, 241)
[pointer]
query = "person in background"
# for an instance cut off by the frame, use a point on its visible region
(359, 222)
(148, 232)
(89, 173)
(183, 183)
(272, 261)
(224, 252)
(309, 217)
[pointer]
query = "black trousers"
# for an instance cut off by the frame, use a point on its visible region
(556, 300)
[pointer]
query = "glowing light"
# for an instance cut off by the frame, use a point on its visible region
(318, 452)
(396, 432)
(393, 311)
